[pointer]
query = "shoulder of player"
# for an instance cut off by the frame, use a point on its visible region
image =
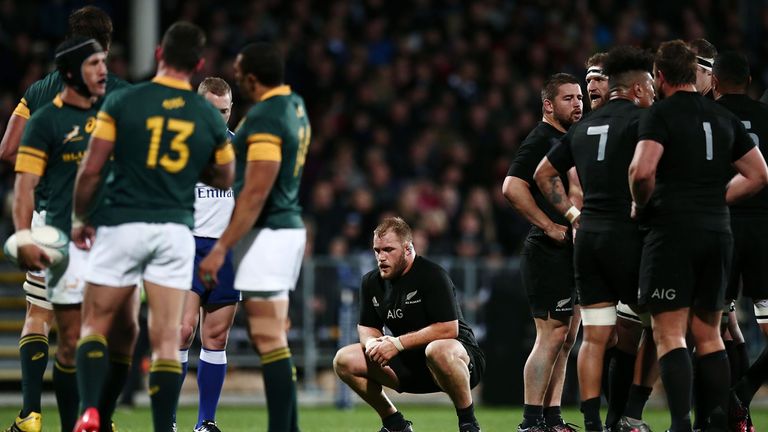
(115, 83)
(423, 264)
(372, 277)
(44, 113)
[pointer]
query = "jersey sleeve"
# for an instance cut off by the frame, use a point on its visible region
(526, 160)
(264, 139)
(561, 156)
(106, 127)
(368, 315)
(652, 127)
(441, 298)
(742, 142)
(33, 151)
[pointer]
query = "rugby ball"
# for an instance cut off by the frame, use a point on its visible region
(50, 239)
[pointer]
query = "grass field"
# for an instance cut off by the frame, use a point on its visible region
(359, 419)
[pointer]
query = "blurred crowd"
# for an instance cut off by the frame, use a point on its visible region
(417, 107)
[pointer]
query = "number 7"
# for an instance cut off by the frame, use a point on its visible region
(603, 132)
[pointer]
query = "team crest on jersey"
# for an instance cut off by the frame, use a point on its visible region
(174, 103)
(409, 297)
(375, 302)
(73, 135)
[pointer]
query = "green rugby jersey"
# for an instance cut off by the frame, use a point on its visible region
(276, 129)
(54, 141)
(42, 92)
(164, 135)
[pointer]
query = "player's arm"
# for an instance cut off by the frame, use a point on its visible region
(575, 192)
(518, 192)
(551, 186)
(368, 335)
(751, 178)
(12, 137)
(89, 174)
(642, 170)
(220, 173)
(389, 346)
(30, 166)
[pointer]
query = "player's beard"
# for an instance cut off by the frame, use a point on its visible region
(565, 121)
(396, 269)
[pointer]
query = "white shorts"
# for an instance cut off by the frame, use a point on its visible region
(66, 282)
(124, 255)
(38, 219)
(269, 260)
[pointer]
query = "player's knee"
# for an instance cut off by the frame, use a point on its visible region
(440, 352)
(187, 334)
(266, 340)
(66, 345)
(216, 341)
(347, 360)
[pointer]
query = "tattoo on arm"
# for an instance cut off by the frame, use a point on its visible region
(556, 192)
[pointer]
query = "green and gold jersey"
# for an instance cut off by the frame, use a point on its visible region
(42, 92)
(276, 129)
(54, 141)
(164, 135)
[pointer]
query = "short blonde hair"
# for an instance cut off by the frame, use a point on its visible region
(396, 225)
(214, 85)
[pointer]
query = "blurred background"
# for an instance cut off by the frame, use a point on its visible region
(417, 110)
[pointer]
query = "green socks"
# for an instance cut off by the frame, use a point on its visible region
(33, 353)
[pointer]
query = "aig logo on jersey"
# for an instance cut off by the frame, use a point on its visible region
(664, 294)
(409, 298)
(394, 313)
(375, 302)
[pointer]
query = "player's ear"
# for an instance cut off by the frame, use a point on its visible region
(715, 82)
(158, 53)
(548, 108)
(199, 65)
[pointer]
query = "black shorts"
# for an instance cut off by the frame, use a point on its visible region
(607, 266)
(546, 269)
(750, 259)
(684, 267)
(411, 369)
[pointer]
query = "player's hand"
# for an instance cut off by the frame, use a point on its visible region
(31, 257)
(83, 236)
(383, 351)
(557, 232)
(634, 211)
(208, 270)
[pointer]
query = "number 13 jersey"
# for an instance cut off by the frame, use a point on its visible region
(165, 134)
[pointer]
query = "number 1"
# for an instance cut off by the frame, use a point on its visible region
(708, 136)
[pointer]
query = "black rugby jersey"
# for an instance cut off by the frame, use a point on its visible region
(424, 295)
(533, 149)
(754, 116)
(601, 146)
(701, 139)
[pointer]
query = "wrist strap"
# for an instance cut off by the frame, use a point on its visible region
(76, 221)
(572, 214)
(396, 342)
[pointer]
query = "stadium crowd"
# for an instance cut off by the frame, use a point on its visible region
(415, 111)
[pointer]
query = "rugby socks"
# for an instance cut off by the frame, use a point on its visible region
(119, 367)
(280, 389)
(552, 416)
(532, 415)
(33, 354)
(619, 383)
(92, 356)
(713, 394)
(738, 359)
(184, 359)
(65, 385)
(753, 379)
(466, 415)
(677, 375)
(211, 371)
(164, 388)
(393, 422)
(636, 400)
(591, 410)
